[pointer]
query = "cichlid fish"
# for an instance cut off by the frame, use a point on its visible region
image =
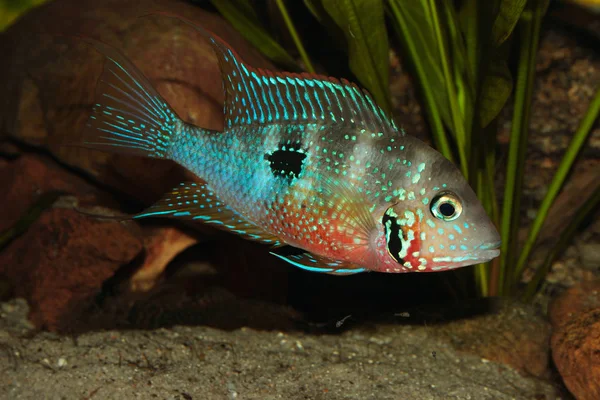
(304, 160)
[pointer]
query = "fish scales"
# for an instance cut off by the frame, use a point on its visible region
(305, 162)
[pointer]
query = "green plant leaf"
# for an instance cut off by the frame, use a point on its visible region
(415, 32)
(497, 86)
(577, 142)
(248, 24)
(463, 78)
(506, 20)
(364, 27)
(530, 26)
(11, 10)
(582, 213)
(292, 30)
(316, 9)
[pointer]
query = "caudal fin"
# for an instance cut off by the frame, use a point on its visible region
(129, 116)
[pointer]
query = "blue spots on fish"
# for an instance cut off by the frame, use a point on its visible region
(196, 201)
(312, 263)
(287, 161)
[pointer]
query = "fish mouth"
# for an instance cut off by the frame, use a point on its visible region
(489, 246)
(486, 255)
(487, 251)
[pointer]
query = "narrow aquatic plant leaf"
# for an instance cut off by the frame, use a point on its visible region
(456, 91)
(582, 213)
(470, 24)
(335, 33)
(43, 202)
(292, 30)
(11, 10)
(506, 20)
(316, 9)
(416, 35)
(364, 27)
(249, 25)
(497, 86)
(464, 79)
(531, 21)
(558, 180)
(246, 7)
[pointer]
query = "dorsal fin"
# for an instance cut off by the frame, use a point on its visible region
(254, 95)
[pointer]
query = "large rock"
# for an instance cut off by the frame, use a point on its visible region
(575, 301)
(62, 261)
(48, 81)
(64, 257)
(576, 353)
(575, 316)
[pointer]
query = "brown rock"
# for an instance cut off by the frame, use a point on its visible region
(62, 261)
(161, 245)
(573, 302)
(576, 353)
(47, 82)
(24, 179)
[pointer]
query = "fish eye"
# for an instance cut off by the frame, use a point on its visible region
(446, 206)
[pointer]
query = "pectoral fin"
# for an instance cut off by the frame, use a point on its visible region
(197, 202)
(314, 263)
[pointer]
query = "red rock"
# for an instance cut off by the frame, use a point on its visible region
(574, 302)
(575, 316)
(62, 261)
(24, 179)
(576, 354)
(47, 82)
(161, 245)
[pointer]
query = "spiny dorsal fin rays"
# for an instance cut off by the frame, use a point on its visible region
(259, 96)
(196, 201)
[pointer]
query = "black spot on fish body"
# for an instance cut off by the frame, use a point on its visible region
(287, 161)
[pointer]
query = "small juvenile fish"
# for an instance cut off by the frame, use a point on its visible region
(304, 160)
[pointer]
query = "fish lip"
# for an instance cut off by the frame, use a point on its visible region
(486, 251)
(489, 246)
(476, 257)
(487, 255)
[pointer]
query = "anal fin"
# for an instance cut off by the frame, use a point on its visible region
(196, 201)
(314, 263)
